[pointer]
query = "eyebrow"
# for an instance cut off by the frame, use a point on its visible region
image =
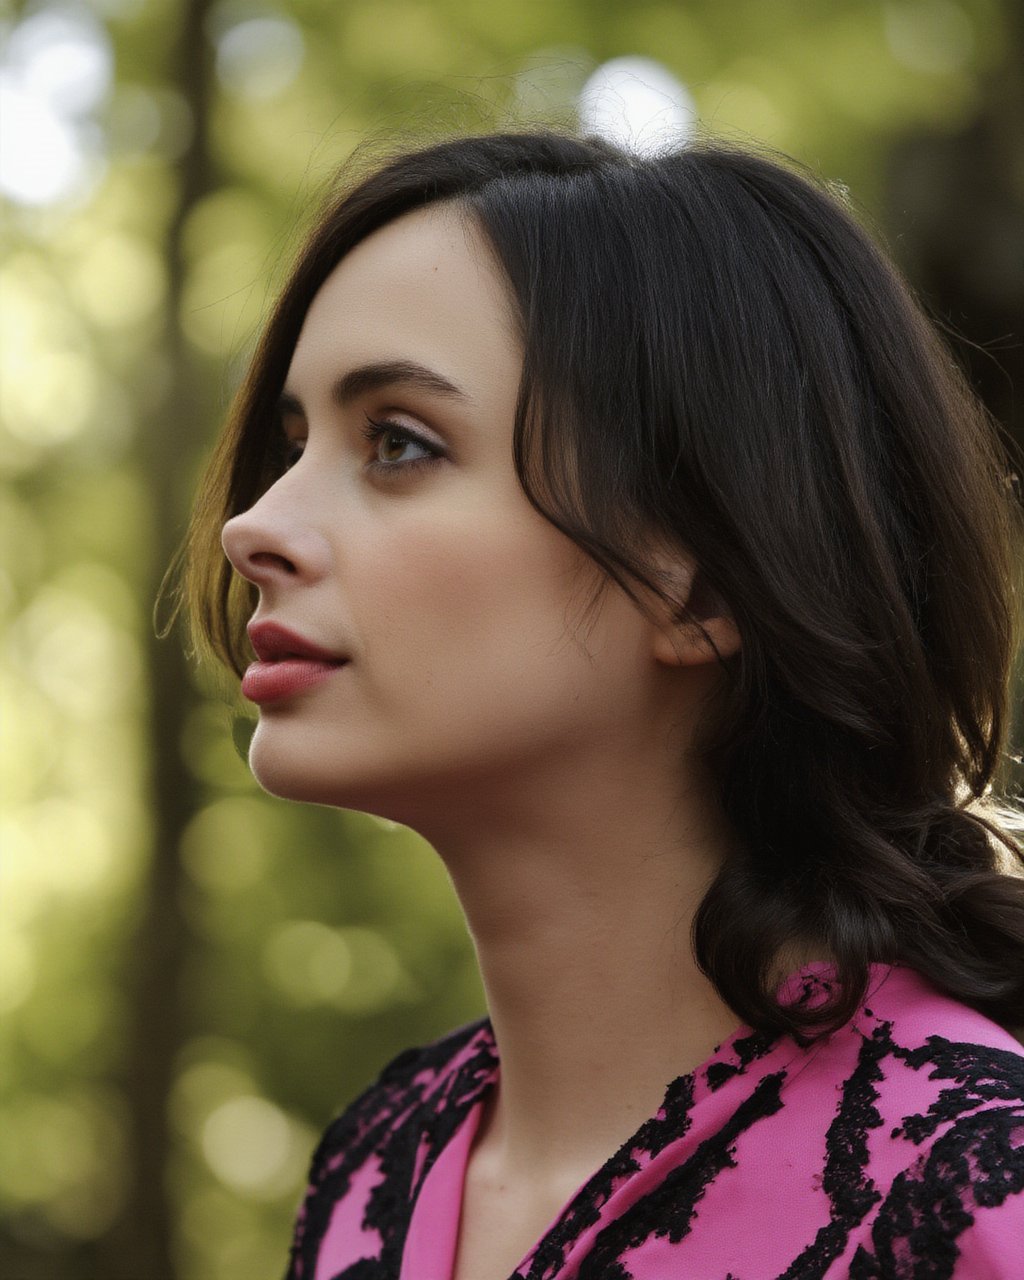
(385, 373)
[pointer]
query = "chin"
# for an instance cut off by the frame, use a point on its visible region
(293, 770)
(289, 784)
(416, 786)
(304, 773)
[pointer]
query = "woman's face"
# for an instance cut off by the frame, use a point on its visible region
(416, 555)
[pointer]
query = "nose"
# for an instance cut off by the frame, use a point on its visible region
(274, 542)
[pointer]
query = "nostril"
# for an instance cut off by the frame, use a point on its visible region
(264, 544)
(271, 560)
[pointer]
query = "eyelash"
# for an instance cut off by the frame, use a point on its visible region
(374, 431)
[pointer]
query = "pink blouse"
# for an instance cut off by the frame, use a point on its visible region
(892, 1149)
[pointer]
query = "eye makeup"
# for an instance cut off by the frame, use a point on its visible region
(384, 430)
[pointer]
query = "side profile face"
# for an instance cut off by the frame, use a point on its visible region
(418, 558)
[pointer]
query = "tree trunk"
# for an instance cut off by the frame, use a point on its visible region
(141, 1242)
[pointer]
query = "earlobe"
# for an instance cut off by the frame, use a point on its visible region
(705, 632)
(689, 644)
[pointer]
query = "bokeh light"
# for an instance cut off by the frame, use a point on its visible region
(154, 197)
(260, 57)
(637, 103)
(932, 36)
(56, 70)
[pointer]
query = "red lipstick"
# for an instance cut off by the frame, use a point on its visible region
(286, 663)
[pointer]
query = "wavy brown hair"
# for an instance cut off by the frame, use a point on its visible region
(715, 351)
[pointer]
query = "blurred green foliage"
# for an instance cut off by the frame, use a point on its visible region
(194, 977)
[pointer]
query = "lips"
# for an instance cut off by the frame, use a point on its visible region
(273, 643)
(287, 663)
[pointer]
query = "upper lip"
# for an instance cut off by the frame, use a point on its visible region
(273, 642)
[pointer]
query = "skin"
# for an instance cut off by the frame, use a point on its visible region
(546, 762)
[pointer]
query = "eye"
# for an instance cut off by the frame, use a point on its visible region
(288, 441)
(393, 441)
(291, 452)
(283, 453)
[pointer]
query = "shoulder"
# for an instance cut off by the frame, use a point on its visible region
(937, 1051)
(919, 1009)
(941, 1095)
(911, 1054)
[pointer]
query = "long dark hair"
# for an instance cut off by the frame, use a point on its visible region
(718, 355)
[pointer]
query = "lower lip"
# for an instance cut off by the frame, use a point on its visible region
(269, 681)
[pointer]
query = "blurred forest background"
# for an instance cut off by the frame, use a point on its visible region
(195, 977)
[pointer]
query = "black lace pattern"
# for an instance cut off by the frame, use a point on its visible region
(918, 1171)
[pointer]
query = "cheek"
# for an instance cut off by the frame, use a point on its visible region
(439, 572)
(471, 663)
(475, 618)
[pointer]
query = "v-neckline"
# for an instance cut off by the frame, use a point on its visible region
(432, 1237)
(433, 1234)
(429, 1252)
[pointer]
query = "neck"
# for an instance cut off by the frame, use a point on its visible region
(580, 905)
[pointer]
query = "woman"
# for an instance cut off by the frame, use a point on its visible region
(621, 526)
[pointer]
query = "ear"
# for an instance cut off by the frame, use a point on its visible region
(686, 640)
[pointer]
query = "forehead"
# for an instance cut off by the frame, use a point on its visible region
(425, 288)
